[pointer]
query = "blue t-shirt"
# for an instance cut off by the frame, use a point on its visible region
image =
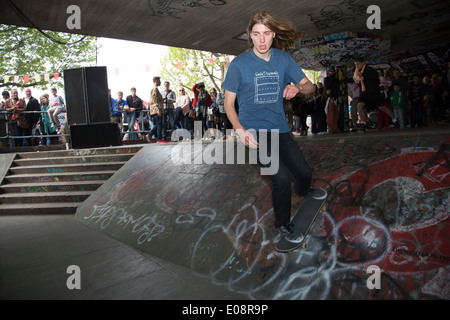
(259, 87)
(115, 103)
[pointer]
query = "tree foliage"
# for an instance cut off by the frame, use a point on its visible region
(26, 51)
(196, 67)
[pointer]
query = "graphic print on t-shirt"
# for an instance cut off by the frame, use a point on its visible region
(266, 87)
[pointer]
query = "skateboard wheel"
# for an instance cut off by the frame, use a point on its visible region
(303, 246)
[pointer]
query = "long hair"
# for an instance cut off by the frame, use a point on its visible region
(285, 32)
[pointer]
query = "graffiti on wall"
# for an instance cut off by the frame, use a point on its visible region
(335, 16)
(388, 205)
(176, 8)
(339, 49)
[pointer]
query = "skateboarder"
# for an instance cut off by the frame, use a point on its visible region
(257, 79)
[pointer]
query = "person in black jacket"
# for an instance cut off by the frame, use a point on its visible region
(132, 110)
(331, 84)
(371, 97)
(32, 118)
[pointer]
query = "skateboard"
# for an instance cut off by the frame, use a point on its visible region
(302, 223)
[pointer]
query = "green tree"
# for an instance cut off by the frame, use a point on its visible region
(312, 75)
(195, 66)
(26, 51)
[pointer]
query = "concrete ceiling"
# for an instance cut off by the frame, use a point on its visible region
(216, 25)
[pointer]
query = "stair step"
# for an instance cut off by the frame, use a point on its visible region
(108, 158)
(40, 197)
(57, 182)
(62, 168)
(80, 152)
(52, 186)
(55, 177)
(39, 208)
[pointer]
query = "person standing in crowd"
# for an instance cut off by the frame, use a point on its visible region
(3, 116)
(398, 104)
(403, 82)
(31, 118)
(16, 106)
(57, 106)
(156, 107)
(224, 123)
(133, 106)
(318, 116)
(257, 79)
(426, 99)
(202, 101)
(169, 98)
(212, 121)
(398, 78)
(332, 89)
(416, 94)
(117, 109)
(45, 123)
(182, 110)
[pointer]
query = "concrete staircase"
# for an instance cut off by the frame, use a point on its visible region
(57, 182)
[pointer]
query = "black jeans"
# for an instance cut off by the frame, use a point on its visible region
(291, 161)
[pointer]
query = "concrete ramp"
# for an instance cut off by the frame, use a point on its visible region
(388, 207)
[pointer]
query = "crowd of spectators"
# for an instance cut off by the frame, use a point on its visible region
(32, 121)
(383, 99)
(168, 111)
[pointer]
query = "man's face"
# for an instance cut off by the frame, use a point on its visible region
(54, 92)
(262, 38)
(120, 95)
(28, 92)
(133, 93)
(359, 65)
(167, 86)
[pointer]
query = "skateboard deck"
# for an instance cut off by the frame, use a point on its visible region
(302, 221)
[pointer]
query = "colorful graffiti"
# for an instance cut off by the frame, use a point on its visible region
(339, 49)
(388, 206)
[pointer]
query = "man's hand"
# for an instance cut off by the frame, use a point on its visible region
(291, 91)
(247, 138)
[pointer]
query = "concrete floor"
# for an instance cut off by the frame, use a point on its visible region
(36, 251)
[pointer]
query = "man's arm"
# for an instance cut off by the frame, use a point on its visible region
(304, 86)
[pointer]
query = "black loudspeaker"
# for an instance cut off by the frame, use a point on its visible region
(94, 135)
(87, 96)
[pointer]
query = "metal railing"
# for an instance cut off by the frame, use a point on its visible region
(10, 135)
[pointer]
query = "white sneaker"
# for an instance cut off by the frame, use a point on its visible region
(317, 193)
(289, 235)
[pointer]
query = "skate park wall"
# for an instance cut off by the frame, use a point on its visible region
(6, 160)
(388, 207)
